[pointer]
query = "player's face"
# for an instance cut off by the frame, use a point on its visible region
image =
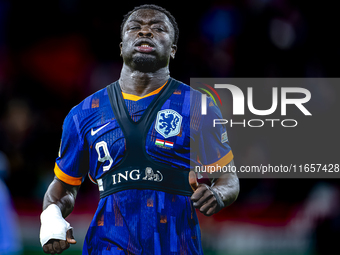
(147, 40)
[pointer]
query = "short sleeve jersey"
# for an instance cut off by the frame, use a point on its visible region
(92, 141)
(135, 221)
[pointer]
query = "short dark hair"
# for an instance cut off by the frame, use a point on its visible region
(152, 7)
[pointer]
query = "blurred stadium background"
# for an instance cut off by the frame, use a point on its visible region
(55, 53)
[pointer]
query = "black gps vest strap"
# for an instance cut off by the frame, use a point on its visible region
(137, 170)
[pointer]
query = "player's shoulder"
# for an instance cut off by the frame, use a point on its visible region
(90, 104)
(196, 99)
(185, 87)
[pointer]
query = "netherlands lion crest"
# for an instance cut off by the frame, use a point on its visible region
(151, 176)
(168, 123)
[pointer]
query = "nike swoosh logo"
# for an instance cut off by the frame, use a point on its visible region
(93, 132)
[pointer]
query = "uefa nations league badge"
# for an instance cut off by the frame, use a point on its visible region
(168, 123)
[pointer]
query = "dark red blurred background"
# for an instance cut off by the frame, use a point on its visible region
(53, 54)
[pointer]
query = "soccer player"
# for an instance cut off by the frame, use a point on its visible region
(133, 140)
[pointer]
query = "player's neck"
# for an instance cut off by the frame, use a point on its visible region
(139, 83)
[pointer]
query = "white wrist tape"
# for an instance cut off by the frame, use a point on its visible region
(53, 225)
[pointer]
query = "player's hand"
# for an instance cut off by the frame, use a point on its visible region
(204, 198)
(54, 246)
(207, 200)
(56, 233)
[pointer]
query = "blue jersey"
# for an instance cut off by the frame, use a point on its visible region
(141, 221)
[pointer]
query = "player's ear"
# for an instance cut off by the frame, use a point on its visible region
(120, 47)
(173, 51)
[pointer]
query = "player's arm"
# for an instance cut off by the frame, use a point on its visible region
(212, 143)
(56, 233)
(61, 194)
(223, 192)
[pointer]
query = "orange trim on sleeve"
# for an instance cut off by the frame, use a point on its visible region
(222, 161)
(136, 98)
(76, 181)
